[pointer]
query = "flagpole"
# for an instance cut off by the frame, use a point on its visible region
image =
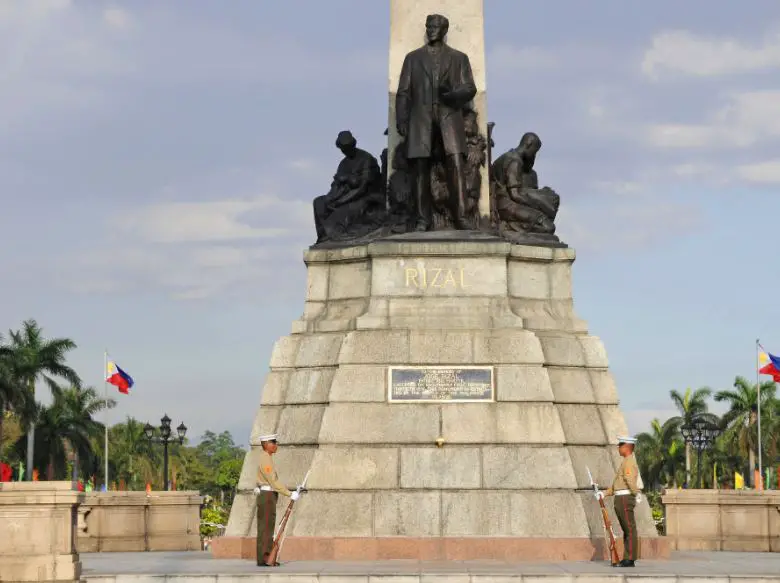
(105, 394)
(758, 389)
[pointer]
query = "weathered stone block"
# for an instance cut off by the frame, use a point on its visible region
(522, 383)
(582, 424)
(604, 388)
(440, 347)
(476, 513)
(441, 467)
(275, 387)
(359, 384)
(502, 423)
(598, 459)
(318, 350)
(300, 424)
(242, 514)
(551, 514)
(614, 422)
(266, 421)
(562, 350)
(594, 352)
(333, 514)
(317, 282)
(560, 280)
(284, 352)
(523, 467)
(529, 280)
(571, 385)
(407, 514)
(375, 347)
(379, 423)
(292, 462)
(354, 468)
(349, 280)
(507, 347)
(309, 386)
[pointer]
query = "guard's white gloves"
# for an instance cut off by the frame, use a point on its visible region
(638, 497)
(599, 495)
(256, 490)
(294, 496)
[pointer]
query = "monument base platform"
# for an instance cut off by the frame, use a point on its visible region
(436, 548)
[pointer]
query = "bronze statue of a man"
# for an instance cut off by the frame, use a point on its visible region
(522, 207)
(355, 192)
(436, 83)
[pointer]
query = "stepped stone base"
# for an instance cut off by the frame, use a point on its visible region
(439, 477)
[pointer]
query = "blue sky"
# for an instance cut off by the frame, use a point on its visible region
(158, 159)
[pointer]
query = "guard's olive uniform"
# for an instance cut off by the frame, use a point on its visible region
(270, 488)
(625, 487)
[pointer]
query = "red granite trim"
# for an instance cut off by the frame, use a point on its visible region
(438, 548)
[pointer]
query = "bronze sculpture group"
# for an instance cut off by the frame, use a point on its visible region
(436, 176)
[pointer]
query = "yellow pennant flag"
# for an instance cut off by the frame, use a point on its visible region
(739, 481)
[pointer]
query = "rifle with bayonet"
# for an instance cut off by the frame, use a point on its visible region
(276, 549)
(607, 523)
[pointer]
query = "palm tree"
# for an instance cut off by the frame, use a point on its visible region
(132, 457)
(13, 395)
(658, 452)
(692, 405)
(67, 424)
(33, 358)
(82, 404)
(740, 421)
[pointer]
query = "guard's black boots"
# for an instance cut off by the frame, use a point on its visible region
(626, 563)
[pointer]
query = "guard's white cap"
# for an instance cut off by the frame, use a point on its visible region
(626, 439)
(268, 437)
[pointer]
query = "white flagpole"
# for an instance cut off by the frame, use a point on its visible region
(758, 389)
(105, 394)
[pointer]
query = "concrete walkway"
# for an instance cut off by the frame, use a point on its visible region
(182, 567)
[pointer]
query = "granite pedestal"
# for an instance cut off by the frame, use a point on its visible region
(502, 477)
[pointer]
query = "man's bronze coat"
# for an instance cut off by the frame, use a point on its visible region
(416, 96)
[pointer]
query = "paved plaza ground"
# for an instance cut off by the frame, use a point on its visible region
(183, 567)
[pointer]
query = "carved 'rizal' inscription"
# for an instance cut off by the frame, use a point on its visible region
(435, 277)
(440, 384)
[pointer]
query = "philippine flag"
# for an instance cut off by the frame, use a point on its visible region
(119, 378)
(771, 365)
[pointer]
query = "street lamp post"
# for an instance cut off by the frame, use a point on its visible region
(165, 437)
(700, 433)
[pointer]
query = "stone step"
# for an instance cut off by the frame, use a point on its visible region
(453, 577)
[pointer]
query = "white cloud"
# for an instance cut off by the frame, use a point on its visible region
(761, 172)
(686, 53)
(118, 18)
(748, 118)
(223, 220)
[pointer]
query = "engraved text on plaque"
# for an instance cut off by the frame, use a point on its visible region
(426, 384)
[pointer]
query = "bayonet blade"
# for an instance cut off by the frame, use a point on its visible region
(590, 477)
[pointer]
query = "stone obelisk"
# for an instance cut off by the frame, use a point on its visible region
(466, 33)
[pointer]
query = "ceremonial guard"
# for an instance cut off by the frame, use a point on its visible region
(267, 492)
(626, 490)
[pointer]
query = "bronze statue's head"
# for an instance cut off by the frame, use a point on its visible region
(347, 143)
(530, 144)
(436, 27)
